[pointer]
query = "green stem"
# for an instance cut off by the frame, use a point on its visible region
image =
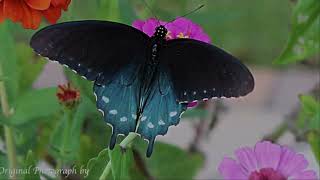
(277, 133)
(8, 133)
(106, 171)
(124, 143)
(68, 119)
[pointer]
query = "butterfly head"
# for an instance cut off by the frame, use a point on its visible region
(161, 32)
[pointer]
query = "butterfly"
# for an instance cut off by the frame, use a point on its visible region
(142, 84)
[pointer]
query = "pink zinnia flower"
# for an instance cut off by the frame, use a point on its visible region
(266, 161)
(179, 28)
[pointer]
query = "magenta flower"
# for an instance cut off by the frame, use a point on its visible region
(179, 28)
(266, 161)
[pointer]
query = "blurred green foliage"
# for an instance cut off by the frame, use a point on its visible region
(303, 44)
(304, 39)
(30, 165)
(97, 165)
(121, 162)
(254, 31)
(309, 122)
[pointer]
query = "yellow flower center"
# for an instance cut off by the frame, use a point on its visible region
(169, 36)
(181, 35)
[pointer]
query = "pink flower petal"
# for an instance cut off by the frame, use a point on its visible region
(248, 160)
(179, 28)
(268, 154)
(267, 161)
(306, 175)
(186, 28)
(192, 104)
(291, 163)
(150, 26)
(202, 37)
(230, 169)
(138, 24)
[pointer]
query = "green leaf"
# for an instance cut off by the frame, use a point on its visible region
(309, 122)
(87, 150)
(30, 164)
(121, 162)
(309, 117)
(65, 140)
(309, 104)
(171, 162)
(304, 39)
(94, 137)
(97, 165)
(8, 62)
(128, 15)
(314, 141)
(35, 104)
(26, 137)
(195, 113)
(29, 66)
(109, 9)
(4, 165)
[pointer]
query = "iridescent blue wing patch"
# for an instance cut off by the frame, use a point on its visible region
(118, 102)
(161, 111)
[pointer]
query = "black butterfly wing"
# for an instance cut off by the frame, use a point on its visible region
(200, 71)
(94, 49)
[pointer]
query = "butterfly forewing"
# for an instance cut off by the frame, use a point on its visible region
(95, 49)
(200, 70)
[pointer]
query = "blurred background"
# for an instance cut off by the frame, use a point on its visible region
(256, 32)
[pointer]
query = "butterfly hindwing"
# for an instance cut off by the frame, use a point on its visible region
(119, 99)
(161, 111)
(118, 102)
(200, 71)
(95, 49)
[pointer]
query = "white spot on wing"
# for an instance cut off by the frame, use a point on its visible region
(113, 111)
(105, 99)
(134, 116)
(161, 122)
(123, 119)
(172, 114)
(143, 118)
(150, 125)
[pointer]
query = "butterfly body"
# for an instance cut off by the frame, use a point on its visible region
(142, 84)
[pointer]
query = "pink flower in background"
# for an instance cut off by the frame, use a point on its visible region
(179, 28)
(266, 161)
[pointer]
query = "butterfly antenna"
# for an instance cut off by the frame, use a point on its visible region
(150, 10)
(196, 9)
